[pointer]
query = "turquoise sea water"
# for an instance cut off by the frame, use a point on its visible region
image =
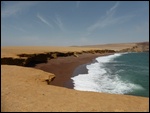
(121, 73)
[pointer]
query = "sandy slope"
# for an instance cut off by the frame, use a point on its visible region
(23, 89)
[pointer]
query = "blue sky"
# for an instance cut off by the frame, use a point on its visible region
(66, 23)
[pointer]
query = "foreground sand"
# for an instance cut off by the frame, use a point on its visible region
(24, 89)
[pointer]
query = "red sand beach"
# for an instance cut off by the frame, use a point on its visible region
(63, 67)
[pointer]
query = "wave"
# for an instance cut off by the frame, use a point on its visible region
(100, 78)
(105, 59)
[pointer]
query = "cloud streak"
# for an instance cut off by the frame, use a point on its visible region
(20, 29)
(44, 21)
(112, 9)
(60, 24)
(106, 20)
(14, 8)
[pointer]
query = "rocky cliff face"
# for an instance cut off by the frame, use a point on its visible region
(29, 60)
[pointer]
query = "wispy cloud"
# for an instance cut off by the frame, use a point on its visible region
(20, 29)
(112, 9)
(77, 4)
(13, 8)
(106, 20)
(60, 24)
(44, 20)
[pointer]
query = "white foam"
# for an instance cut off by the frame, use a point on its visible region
(105, 59)
(119, 71)
(99, 80)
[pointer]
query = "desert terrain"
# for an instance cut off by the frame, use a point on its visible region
(24, 88)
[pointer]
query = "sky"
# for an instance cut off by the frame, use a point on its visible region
(73, 23)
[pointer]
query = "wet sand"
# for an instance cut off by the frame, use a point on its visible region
(64, 67)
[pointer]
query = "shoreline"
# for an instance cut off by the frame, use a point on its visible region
(81, 69)
(64, 68)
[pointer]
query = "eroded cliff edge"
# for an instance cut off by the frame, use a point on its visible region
(29, 60)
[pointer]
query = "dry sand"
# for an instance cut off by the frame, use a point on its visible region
(25, 89)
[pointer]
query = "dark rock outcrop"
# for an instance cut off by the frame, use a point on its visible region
(30, 60)
(13, 61)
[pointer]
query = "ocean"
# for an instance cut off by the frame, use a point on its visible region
(120, 73)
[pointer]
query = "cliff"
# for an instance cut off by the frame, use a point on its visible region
(29, 60)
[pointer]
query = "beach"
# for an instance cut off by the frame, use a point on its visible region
(63, 67)
(26, 88)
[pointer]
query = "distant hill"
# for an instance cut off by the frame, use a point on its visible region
(140, 47)
(122, 47)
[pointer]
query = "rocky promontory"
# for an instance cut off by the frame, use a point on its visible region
(139, 47)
